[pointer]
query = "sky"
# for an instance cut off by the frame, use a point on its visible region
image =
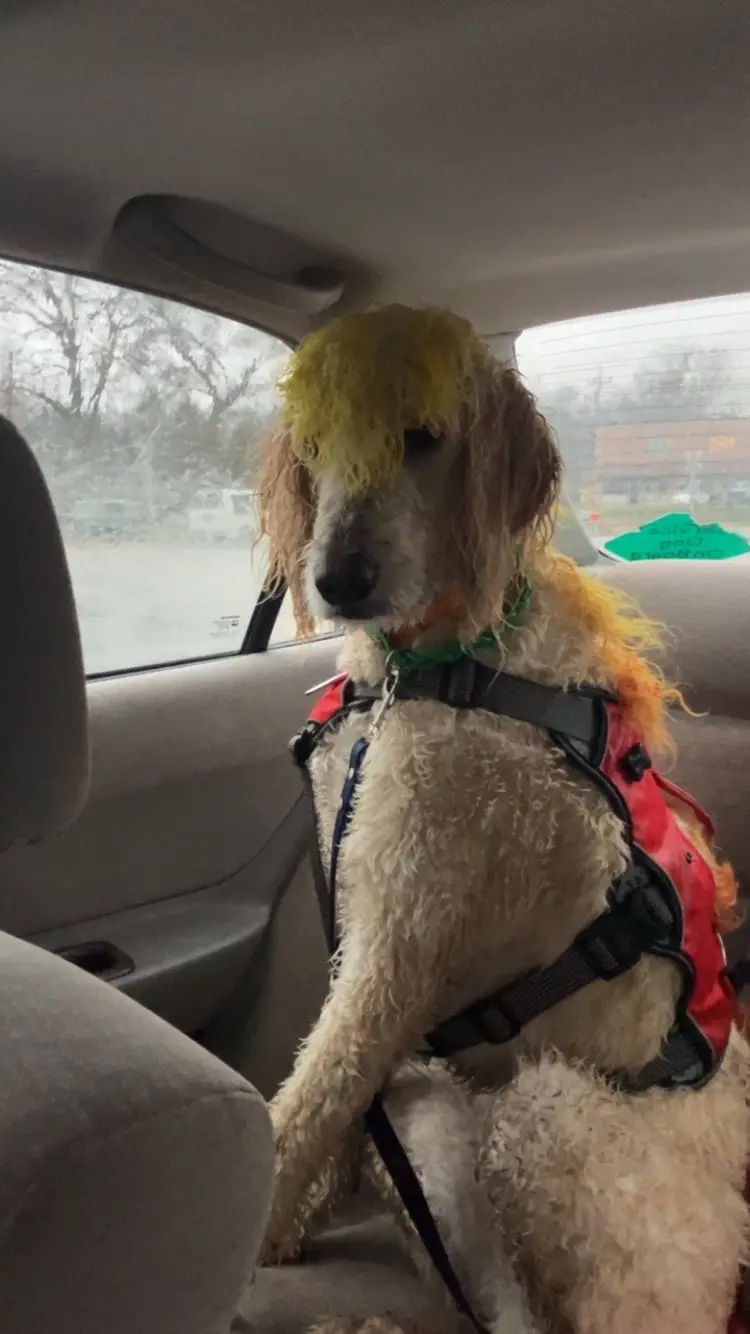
(552, 357)
(570, 353)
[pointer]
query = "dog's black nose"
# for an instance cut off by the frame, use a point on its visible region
(349, 582)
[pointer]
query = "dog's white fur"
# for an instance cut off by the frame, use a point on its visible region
(444, 1129)
(474, 854)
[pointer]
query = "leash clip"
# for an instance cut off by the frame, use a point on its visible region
(390, 686)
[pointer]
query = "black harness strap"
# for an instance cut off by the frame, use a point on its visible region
(637, 920)
(469, 684)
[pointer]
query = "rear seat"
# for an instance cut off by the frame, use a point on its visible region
(359, 1267)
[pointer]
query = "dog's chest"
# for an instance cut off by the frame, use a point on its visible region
(456, 807)
(428, 770)
(482, 823)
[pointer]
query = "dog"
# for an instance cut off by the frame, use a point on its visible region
(407, 495)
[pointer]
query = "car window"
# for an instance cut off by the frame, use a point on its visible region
(651, 408)
(147, 418)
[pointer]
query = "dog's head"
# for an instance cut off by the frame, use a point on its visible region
(410, 466)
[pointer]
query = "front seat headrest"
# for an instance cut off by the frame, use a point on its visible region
(44, 752)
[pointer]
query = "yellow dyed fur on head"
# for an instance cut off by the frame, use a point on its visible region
(354, 388)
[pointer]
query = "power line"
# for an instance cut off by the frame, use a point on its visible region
(596, 368)
(566, 331)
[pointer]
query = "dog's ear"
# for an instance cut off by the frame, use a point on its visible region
(512, 483)
(286, 514)
(534, 464)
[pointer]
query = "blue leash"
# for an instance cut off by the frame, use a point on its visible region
(341, 829)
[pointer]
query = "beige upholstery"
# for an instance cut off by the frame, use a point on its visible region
(135, 1169)
(44, 761)
(706, 605)
(359, 1268)
(519, 160)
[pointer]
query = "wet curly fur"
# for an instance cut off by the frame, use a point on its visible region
(475, 854)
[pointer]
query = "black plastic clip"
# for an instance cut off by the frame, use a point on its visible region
(636, 763)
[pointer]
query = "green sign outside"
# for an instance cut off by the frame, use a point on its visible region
(677, 537)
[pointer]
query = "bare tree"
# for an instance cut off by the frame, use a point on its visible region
(202, 367)
(134, 393)
(215, 387)
(71, 339)
(681, 383)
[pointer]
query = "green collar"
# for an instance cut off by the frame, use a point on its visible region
(409, 662)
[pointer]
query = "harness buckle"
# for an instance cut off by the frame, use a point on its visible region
(610, 946)
(639, 918)
(302, 744)
(636, 763)
(458, 684)
(490, 1021)
(648, 904)
(496, 1023)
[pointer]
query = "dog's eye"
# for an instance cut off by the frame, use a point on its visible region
(419, 440)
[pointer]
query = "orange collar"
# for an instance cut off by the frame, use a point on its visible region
(447, 609)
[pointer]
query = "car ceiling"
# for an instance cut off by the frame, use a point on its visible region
(519, 160)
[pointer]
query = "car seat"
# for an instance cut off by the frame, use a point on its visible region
(135, 1169)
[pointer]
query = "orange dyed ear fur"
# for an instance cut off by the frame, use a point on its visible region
(626, 640)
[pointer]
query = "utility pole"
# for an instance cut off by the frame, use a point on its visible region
(695, 458)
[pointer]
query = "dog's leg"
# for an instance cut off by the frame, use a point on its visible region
(412, 906)
(438, 1123)
(380, 1001)
(627, 1210)
(340, 1178)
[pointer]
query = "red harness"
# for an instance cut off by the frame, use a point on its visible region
(331, 702)
(638, 794)
(709, 997)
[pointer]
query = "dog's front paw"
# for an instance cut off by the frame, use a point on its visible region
(281, 1251)
(282, 1244)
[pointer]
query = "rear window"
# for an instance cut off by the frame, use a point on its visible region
(651, 409)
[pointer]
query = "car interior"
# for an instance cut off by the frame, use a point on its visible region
(187, 190)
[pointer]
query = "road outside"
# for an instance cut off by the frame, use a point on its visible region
(142, 603)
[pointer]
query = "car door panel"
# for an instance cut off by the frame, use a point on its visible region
(194, 828)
